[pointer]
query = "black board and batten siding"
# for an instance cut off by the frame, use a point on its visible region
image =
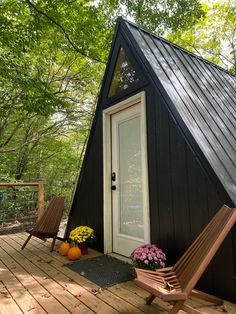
(200, 96)
(191, 126)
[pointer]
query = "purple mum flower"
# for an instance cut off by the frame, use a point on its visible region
(148, 256)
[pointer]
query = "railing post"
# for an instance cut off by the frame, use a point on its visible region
(40, 197)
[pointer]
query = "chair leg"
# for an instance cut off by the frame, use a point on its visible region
(206, 297)
(27, 240)
(53, 243)
(210, 298)
(150, 298)
(176, 307)
(190, 310)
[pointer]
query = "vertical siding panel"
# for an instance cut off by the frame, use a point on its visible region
(222, 263)
(198, 203)
(197, 196)
(163, 177)
(180, 189)
(151, 110)
(87, 206)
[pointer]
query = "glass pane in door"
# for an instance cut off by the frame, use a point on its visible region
(130, 179)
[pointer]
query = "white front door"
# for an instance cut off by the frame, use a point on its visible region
(129, 187)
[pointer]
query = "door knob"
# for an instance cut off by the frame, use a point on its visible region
(113, 187)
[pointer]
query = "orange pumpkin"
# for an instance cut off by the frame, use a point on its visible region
(74, 253)
(64, 248)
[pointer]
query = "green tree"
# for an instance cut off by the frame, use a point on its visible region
(164, 16)
(214, 35)
(52, 59)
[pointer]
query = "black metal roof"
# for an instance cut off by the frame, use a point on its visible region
(200, 95)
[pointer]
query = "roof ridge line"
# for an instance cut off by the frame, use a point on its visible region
(122, 19)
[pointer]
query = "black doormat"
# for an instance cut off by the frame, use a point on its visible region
(103, 270)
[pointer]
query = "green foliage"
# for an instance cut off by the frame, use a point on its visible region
(18, 31)
(17, 203)
(165, 15)
(214, 35)
(52, 59)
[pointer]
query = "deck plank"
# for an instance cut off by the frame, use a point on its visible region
(47, 301)
(130, 286)
(21, 296)
(66, 284)
(208, 308)
(103, 302)
(117, 302)
(39, 276)
(134, 299)
(46, 246)
(7, 303)
(52, 296)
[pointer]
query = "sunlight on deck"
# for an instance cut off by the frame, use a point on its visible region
(36, 281)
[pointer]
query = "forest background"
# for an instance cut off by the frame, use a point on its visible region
(53, 55)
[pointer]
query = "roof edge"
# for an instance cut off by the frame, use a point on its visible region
(220, 188)
(123, 20)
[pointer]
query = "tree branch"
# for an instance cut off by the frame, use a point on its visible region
(13, 132)
(64, 32)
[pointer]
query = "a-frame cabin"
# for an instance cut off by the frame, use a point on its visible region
(161, 157)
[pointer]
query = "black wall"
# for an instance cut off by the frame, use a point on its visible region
(183, 194)
(87, 206)
(182, 197)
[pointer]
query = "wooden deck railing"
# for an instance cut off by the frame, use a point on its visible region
(40, 185)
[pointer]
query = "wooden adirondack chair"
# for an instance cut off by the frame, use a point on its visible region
(48, 225)
(175, 284)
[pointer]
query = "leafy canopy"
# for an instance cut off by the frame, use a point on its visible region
(52, 59)
(214, 35)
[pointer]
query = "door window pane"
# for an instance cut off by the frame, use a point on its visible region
(130, 179)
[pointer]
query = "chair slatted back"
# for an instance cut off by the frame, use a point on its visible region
(194, 261)
(50, 221)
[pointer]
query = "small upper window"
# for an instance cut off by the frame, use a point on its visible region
(124, 75)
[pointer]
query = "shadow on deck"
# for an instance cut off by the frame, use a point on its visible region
(36, 281)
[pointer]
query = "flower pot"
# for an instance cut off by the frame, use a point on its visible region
(84, 248)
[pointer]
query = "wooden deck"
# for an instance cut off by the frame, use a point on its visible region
(36, 281)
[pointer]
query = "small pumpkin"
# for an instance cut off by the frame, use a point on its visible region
(64, 248)
(74, 253)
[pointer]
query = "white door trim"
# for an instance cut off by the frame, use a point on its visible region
(107, 207)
